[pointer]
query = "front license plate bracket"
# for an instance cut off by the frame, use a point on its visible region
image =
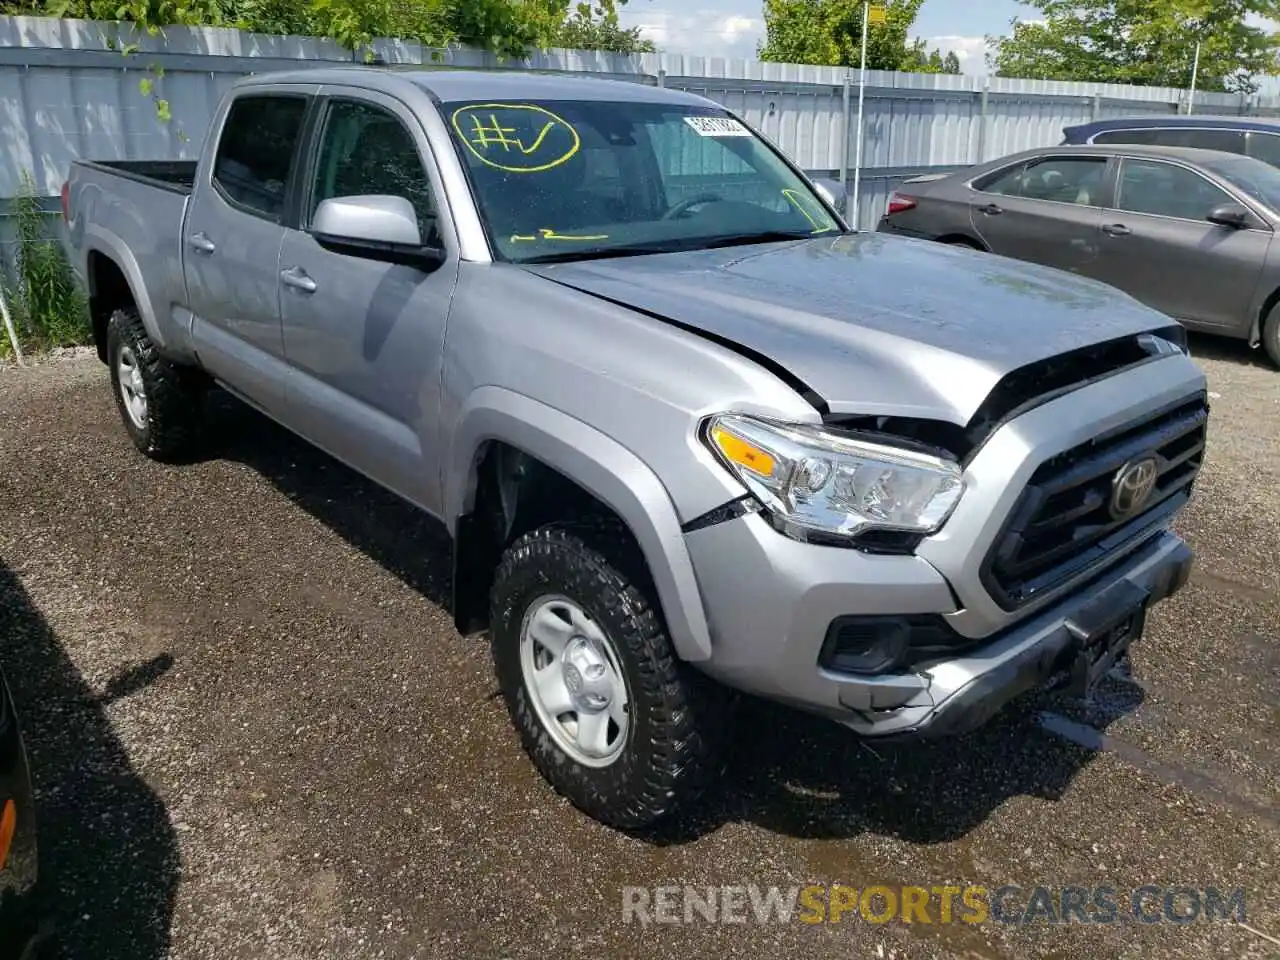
(1103, 629)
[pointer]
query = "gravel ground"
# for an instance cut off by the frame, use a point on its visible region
(256, 734)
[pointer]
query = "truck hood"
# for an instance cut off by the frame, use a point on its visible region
(873, 324)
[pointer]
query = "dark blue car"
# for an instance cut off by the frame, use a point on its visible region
(1257, 137)
(17, 837)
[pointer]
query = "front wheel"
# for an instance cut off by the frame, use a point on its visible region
(608, 714)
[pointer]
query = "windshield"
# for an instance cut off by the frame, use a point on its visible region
(571, 179)
(1259, 180)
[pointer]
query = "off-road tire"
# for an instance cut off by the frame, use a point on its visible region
(677, 717)
(174, 394)
(1271, 335)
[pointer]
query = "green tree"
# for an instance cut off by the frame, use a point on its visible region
(508, 27)
(1144, 42)
(584, 26)
(922, 60)
(829, 33)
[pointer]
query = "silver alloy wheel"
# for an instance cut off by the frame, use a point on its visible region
(132, 389)
(574, 678)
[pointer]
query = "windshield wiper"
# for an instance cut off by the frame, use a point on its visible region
(604, 253)
(670, 246)
(766, 236)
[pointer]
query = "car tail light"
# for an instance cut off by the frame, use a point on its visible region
(900, 203)
(66, 200)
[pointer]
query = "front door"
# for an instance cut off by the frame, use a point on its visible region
(1045, 210)
(365, 339)
(1160, 248)
(232, 238)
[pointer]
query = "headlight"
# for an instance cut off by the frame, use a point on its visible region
(813, 480)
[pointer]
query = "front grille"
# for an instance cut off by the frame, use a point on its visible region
(1063, 524)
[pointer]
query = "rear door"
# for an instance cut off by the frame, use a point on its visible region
(1160, 248)
(1046, 210)
(232, 238)
(364, 339)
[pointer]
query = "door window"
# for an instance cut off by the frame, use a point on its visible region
(1264, 147)
(364, 150)
(1228, 141)
(1231, 141)
(251, 167)
(1127, 136)
(1167, 190)
(1077, 180)
(1005, 183)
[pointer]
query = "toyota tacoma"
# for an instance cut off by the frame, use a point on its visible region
(690, 434)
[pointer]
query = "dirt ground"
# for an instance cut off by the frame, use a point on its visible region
(255, 733)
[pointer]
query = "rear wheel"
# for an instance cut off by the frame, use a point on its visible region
(608, 714)
(159, 402)
(1271, 335)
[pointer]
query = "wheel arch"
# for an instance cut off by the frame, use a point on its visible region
(510, 449)
(962, 240)
(1269, 304)
(114, 280)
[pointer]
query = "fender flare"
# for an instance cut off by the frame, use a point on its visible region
(602, 467)
(97, 240)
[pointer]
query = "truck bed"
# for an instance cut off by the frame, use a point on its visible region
(177, 176)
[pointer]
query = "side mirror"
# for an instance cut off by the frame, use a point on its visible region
(376, 227)
(833, 192)
(1232, 215)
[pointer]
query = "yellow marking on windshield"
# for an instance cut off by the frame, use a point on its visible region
(545, 234)
(793, 197)
(490, 130)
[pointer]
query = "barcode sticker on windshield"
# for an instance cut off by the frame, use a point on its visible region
(717, 127)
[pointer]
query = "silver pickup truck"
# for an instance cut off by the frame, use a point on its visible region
(690, 434)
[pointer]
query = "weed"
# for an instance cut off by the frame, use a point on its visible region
(49, 308)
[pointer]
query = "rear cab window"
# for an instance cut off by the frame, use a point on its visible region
(255, 152)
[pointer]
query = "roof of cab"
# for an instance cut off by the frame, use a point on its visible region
(448, 84)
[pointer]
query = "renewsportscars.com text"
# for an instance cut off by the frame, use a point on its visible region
(935, 904)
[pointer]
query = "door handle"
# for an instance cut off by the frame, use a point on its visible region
(991, 210)
(201, 244)
(1116, 230)
(297, 278)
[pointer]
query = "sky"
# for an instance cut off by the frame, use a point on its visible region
(731, 28)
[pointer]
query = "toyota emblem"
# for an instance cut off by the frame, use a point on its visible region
(1132, 486)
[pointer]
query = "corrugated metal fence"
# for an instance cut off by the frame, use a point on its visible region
(68, 89)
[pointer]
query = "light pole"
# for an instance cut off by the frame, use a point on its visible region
(862, 89)
(1195, 72)
(1197, 25)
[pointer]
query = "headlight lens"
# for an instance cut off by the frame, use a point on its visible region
(812, 479)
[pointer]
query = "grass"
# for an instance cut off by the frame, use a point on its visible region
(49, 309)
